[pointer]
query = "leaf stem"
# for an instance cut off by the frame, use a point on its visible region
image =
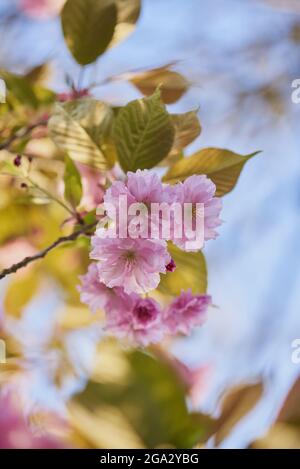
(52, 197)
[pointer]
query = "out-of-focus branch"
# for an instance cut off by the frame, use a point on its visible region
(21, 134)
(40, 255)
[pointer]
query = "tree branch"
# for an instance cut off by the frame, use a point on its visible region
(63, 239)
(21, 134)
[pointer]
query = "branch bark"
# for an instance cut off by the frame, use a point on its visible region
(63, 239)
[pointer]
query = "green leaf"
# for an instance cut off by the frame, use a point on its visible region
(223, 167)
(88, 27)
(153, 401)
(73, 185)
(20, 91)
(78, 129)
(94, 116)
(191, 272)
(143, 133)
(8, 167)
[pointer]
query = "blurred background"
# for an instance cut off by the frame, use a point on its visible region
(240, 57)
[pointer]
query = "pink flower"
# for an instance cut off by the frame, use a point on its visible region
(146, 187)
(97, 295)
(201, 190)
(92, 182)
(140, 324)
(73, 95)
(113, 195)
(92, 291)
(196, 380)
(127, 316)
(142, 187)
(186, 312)
(14, 251)
(134, 264)
(15, 433)
(43, 9)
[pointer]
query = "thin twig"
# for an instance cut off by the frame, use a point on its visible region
(63, 239)
(21, 134)
(52, 197)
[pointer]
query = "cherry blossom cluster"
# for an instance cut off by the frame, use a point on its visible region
(142, 321)
(127, 267)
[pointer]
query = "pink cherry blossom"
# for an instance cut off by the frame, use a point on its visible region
(196, 380)
(43, 9)
(98, 296)
(15, 433)
(134, 264)
(112, 198)
(140, 324)
(142, 187)
(186, 312)
(14, 251)
(200, 189)
(92, 182)
(92, 291)
(146, 187)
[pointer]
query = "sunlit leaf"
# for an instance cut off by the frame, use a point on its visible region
(173, 85)
(20, 91)
(290, 411)
(187, 129)
(37, 74)
(18, 220)
(20, 292)
(280, 436)
(285, 432)
(143, 133)
(128, 14)
(128, 10)
(223, 167)
(191, 272)
(20, 88)
(153, 402)
(94, 116)
(106, 427)
(73, 185)
(77, 130)
(8, 168)
(88, 27)
(236, 403)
